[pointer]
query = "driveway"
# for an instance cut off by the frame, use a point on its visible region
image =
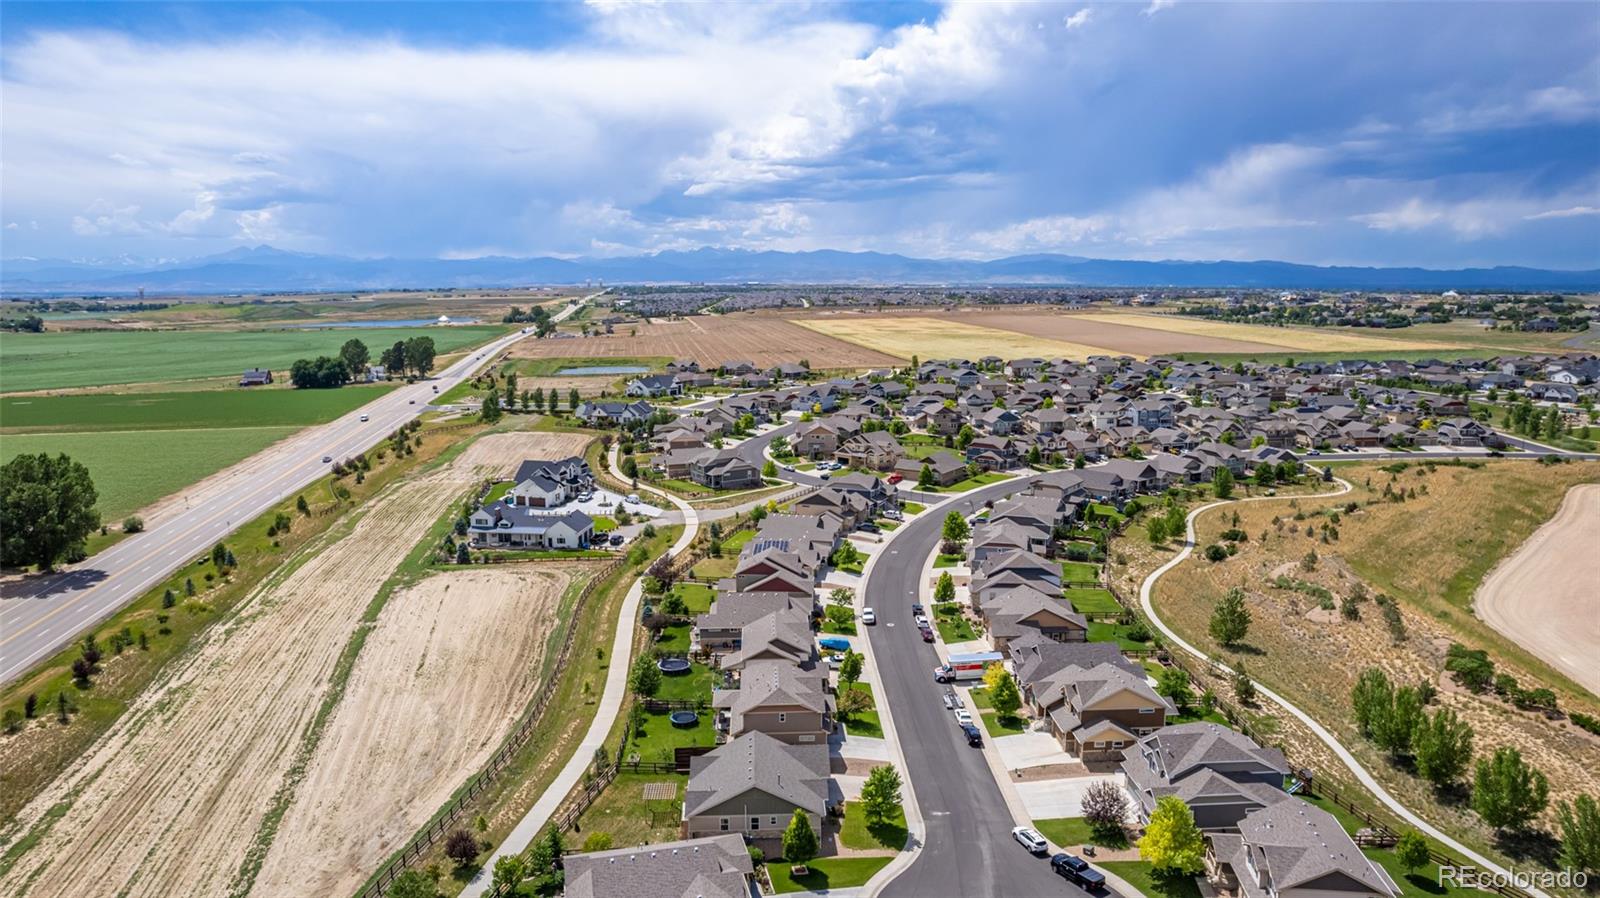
(1031, 750)
(606, 502)
(1061, 798)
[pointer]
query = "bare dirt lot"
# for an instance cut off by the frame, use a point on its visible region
(1544, 596)
(712, 340)
(173, 798)
(1116, 337)
(442, 678)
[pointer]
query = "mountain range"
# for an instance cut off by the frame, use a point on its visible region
(267, 269)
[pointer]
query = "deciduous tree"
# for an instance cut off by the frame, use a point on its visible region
(880, 794)
(1411, 851)
(1442, 745)
(1172, 842)
(1579, 822)
(799, 839)
(47, 509)
(1230, 620)
(1105, 806)
(1506, 792)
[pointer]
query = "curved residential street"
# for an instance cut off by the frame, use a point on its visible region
(1147, 588)
(40, 614)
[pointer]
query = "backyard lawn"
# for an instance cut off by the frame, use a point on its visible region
(858, 834)
(674, 639)
(864, 723)
(622, 812)
(696, 596)
(1422, 884)
(826, 873)
(717, 568)
(1092, 599)
(972, 483)
(693, 686)
(657, 737)
(1080, 572)
(1121, 634)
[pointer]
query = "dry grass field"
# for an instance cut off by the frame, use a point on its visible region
(445, 672)
(1116, 337)
(936, 335)
(1409, 550)
(1546, 596)
(174, 797)
(1297, 338)
(713, 339)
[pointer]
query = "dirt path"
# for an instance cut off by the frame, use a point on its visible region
(441, 680)
(1544, 595)
(171, 799)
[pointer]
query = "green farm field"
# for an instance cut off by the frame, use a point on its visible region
(257, 407)
(59, 360)
(133, 468)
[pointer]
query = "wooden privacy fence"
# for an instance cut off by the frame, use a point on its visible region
(531, 718)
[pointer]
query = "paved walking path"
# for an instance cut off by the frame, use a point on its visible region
(605, 716)
(1147, 588)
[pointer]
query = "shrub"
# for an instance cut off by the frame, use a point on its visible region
(1215, 553)
(132, 524)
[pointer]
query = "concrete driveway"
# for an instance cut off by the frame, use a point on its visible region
(1061, 798)
(606, 502)
(1031, 750)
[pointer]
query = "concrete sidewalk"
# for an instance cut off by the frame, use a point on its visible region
(605, 716)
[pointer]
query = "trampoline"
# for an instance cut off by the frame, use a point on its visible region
(684, 718)
(673, 665)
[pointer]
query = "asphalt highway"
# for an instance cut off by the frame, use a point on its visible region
(38, 615)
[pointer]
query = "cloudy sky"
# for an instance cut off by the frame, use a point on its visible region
(1385, 134)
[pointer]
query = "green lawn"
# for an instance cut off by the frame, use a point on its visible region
(697, 596)
(657, 737)
(951, 624)
(998, 726)
(826, 873)
(622, 812)
(972, 483)
(1080, 572)
(132, 469)
(552, 366)
(864, 723)
(1092, 599)
(1105, 631)
(1070, 831)
(1098, 511)
(693, 686)
(674, 638)
(912, 507)
(948, 560)
(95, 358)
(858, 834)
(888, 526)
(847, 628)
(1193, 715)
(261, 407)
(604, 524)
(1141, 877)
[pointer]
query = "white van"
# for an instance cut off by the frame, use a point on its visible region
(363, 417)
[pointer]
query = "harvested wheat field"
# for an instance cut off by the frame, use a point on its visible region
(1116, 337)
(712, 340)
(444, 674)
(177, 797)
(941, 336)
(1305, 339)
(1545, 596)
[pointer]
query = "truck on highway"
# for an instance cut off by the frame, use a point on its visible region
(967, 666)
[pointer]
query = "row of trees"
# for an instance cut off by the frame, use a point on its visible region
(1508, 793)
(414, 356)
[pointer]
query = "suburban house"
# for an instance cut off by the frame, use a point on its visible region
(852, 508)
(752, 785)
(722, 628)
(781, 636)
(546, 484)
(1220, 773)
(1294, 850)
(710, 867)
(500, 525)
(255, 377)
(600, 414)
(946, 467)
(723, 469)
(821, 438)
(1012, 612)
(877, 451)
(1097, 712)
(778, 698)
(652, 386)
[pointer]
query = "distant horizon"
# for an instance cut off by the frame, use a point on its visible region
(1160, 130)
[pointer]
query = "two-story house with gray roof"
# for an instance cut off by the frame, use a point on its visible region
(752, 786)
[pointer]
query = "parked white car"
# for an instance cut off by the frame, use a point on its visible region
(868, 616)
(1030, 840)
(633, 499)
(963, 716)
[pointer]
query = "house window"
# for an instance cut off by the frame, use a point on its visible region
(782, 717)
(724, 824)
(1147, 710)
(755, 823)
(1098, 744)
(772, 821)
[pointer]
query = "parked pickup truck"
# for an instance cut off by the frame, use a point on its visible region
(1077, 870)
